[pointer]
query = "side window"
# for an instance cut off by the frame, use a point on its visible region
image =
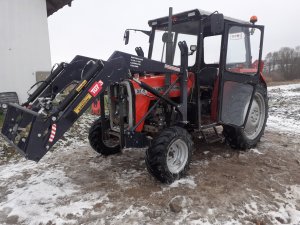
(212, 49)
(243, 50)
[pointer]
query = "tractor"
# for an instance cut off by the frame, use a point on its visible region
(202, 71)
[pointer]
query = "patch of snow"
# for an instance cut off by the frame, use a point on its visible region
(256, 151)
(127, 176)
(35, 201)
(252, 207)
(284, 87)
(187, 181)
(103, 164)
(284, 109)
(284, 210)
(203, 163)
(231, 222)
(283, 124)
(43, 194)
(288, 203)
(210, 211)
(199, 222)
(133, 214)
(10, 170)
(183, 217)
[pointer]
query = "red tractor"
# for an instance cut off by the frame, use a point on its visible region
(156, 101)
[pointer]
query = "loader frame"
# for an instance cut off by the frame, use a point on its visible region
(46, 130)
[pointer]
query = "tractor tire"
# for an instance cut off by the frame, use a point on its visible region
(169, 156)
(248, 137)
(96, 142)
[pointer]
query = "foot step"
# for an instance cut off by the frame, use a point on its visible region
(211, 135)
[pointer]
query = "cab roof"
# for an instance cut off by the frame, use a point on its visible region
(190, 15)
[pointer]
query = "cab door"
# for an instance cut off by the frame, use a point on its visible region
(239, 72)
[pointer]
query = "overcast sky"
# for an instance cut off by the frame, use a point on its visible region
(95, 28)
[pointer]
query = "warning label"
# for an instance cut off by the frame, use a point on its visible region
(79, 88)
(81, 105)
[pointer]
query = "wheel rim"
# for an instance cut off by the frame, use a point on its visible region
(177, 156)
(256, 117)
(111, 141)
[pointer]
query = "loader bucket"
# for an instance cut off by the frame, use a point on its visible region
(26, 131)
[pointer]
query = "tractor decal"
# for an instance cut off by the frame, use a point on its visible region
(96, 88)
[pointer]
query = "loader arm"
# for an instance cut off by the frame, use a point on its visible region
(37, 125)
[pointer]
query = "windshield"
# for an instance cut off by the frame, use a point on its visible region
(186, 31)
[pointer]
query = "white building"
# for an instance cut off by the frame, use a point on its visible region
(24, 42)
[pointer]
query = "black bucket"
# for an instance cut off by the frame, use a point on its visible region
(27, 131)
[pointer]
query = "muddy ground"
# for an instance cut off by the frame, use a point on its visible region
(74, 185)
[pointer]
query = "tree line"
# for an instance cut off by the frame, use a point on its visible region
(283, 64)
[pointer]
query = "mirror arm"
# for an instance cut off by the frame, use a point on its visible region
(143, 31)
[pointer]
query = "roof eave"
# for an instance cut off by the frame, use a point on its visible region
(55, 5)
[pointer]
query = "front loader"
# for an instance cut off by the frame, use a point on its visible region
(155, 102)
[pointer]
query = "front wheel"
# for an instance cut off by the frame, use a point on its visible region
(249, 136)
(110, 145)
(169, 156)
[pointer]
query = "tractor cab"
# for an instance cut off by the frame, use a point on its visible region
(224, 55)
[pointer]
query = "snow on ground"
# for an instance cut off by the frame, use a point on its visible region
(74, 185)
(188, 181)
(288, 211)
(284, 108)
(45, 193)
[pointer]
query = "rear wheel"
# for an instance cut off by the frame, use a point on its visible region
(169, 156)
(248, 137)
(110, 145)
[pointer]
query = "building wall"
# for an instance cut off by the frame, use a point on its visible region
(24, 44)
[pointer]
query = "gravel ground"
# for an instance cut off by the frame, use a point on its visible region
(74, 185)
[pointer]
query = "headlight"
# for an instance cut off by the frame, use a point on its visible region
(4, 106)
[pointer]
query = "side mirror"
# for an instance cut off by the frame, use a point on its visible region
(126, 37)
(193, 48)
(217, 23)
(165, 37)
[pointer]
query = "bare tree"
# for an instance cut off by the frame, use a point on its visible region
(286, 62)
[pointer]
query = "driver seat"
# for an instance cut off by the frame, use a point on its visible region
(207, 76)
